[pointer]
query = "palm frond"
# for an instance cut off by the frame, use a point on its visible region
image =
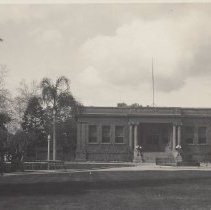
(46, 82)
(47, 90)
(62, 81)
(65, 99)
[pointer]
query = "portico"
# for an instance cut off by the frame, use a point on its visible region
(154, 137)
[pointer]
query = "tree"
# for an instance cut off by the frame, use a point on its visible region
(4, 119)
(135, 105)
(57, 97)
(5, 98)
(34, 123)
(122, 105)
(17, 147)
(33, 119)
(25, 92)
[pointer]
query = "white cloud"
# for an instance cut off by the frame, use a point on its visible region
(177, 45)
(47, 36)
(89, 77)
(20, 13)
(106, 50)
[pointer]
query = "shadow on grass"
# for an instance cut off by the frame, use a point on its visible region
(82, 187)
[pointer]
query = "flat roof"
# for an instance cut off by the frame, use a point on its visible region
(145, 111)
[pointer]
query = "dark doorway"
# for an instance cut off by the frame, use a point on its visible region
(154, 137)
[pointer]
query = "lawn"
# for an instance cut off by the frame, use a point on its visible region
(109, 190)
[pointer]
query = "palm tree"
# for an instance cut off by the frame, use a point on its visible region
(52, 93)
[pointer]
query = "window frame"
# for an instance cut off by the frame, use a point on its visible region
(103, 126)
(93, 142)
(122, 136)
(185, 132)
(203, 143)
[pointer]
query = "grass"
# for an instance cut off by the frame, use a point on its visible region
(108, 190)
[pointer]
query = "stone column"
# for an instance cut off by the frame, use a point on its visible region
(131, 136)
(179, 135)
(174, 137)
(135, 135)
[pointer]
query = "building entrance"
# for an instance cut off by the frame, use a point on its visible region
(154, 137)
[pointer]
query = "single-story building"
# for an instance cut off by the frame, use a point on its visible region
(113, 133)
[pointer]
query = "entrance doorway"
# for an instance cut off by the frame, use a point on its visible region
(154, 137)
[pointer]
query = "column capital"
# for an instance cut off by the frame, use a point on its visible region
(177, 123)
(133, 123)
(81, 122)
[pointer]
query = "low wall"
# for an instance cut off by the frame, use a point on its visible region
(108, 152)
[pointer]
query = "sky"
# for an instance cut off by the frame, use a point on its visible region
(106, 50)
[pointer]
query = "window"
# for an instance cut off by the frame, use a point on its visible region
(106, 134)
(119, 134)
(189, 134)
(202, 135)
(92, 134)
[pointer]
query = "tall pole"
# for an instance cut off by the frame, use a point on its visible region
(153, 85)
(49, 141)
(54, 134)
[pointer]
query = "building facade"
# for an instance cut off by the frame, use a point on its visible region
(113, 133)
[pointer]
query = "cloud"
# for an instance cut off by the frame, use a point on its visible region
(20, 13)
(180, 47)
(47, 36)
(106, 49)
(89, 77)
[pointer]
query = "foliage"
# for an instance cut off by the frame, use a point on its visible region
(17, 147)
(18, 142)
(59, 98)
(35, 116)
(33, 120)
(4, 119)
(134, 105)
(121, 105)
(52, 92)
(3, 91)
(25, 91)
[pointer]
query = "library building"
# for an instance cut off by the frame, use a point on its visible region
(116, 133)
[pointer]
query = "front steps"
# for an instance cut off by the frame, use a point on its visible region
(150, 157)
(164, 159)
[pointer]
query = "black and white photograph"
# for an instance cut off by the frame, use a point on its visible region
(105, 105)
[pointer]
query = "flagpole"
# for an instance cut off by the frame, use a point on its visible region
(153, 85)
